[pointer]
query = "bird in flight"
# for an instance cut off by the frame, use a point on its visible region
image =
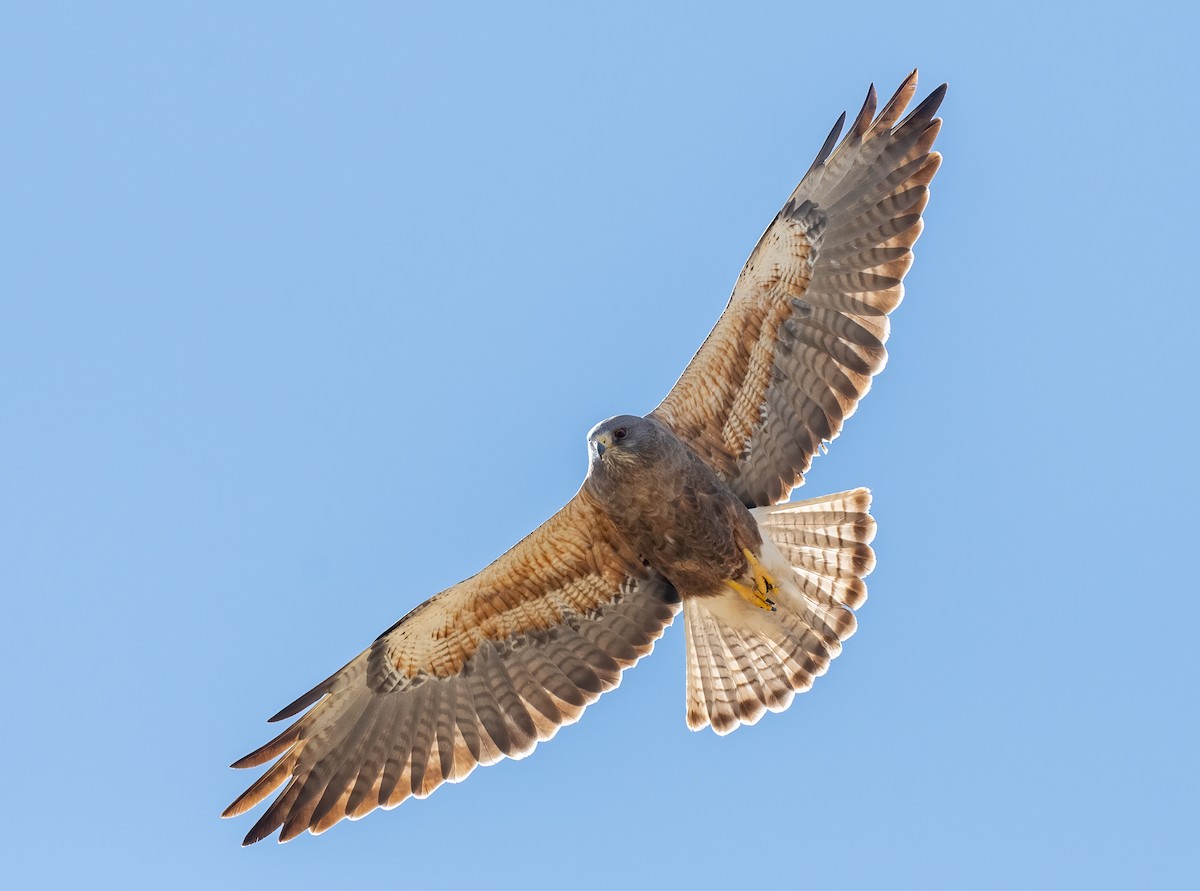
(684, 508)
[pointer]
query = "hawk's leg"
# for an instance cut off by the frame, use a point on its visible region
(759, 594)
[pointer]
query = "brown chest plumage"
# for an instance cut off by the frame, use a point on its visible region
(681, 517)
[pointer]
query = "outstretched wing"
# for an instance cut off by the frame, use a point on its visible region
(485, 669)
(804, 331)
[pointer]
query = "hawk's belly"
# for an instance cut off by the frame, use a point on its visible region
(685, 523)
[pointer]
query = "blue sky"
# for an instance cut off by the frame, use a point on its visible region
(306, 313)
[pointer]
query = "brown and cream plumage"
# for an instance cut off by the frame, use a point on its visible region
(684, 507)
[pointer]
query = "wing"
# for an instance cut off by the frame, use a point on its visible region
(804, 330)
(486, 669)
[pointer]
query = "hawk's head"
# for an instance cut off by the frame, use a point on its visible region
(627, 441)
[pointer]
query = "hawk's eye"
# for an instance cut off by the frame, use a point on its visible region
(619, 433)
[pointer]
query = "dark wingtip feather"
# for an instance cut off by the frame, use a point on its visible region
(265, 827)
(257, 833)
(294, 708)
(253, 838)
(830, 142)
(865, 114)
(929, 106)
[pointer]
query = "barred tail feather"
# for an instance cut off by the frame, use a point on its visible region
(743, 661)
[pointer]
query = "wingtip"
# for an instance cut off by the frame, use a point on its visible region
(263, 829)
(259, 831)
(866, 114)
(939, 90)
(237, 807)
(830, 143)
(241, 804)
(928, 107)
(297, 705)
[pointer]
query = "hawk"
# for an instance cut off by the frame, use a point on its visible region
(683, 509)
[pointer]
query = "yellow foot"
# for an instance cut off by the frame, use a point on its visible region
(763, 584)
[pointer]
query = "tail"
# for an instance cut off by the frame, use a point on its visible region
(743, 661)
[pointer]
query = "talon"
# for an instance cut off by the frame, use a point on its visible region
(762, 578)
(750, 595)
(763, 584)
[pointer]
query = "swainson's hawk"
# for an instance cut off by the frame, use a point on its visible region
(684, 508)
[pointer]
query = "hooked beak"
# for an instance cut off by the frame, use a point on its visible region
(603, 443)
